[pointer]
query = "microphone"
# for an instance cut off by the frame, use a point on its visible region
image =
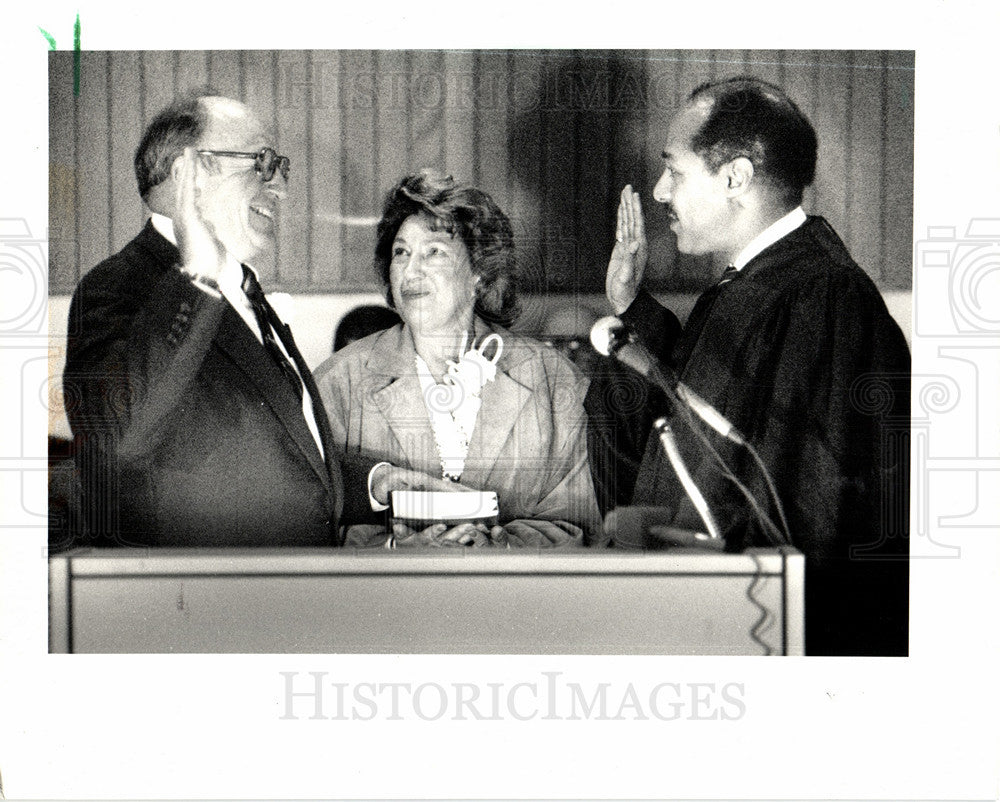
(611, 337)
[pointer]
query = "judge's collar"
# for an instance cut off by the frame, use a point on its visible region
(781, 227)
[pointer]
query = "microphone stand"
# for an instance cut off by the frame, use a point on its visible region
(662, 426)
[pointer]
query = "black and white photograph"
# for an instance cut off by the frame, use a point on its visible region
(407, 394)
(508, 372)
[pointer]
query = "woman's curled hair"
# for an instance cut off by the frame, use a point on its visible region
(466, 213)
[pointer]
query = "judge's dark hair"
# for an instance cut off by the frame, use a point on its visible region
(464, 212)
(179, 125)
(752, 118)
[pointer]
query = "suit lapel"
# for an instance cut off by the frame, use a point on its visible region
(399, 399)
(502, 402)
(236, 340)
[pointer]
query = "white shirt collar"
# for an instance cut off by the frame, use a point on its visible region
(231, 279)
(770, 235)
(165, 226)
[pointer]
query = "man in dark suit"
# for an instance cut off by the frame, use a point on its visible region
(196, 419)
(794, 345)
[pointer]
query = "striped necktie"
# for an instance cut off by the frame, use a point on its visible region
(728, 275)
(263, 312)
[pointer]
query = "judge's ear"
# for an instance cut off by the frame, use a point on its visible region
(739, 175)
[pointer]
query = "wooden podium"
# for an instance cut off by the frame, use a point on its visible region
(426, 602)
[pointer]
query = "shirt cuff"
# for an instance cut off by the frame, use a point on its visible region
(376, 505)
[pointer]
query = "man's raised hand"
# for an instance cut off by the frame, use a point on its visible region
(202, 255)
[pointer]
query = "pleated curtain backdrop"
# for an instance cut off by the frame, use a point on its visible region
(552, 135)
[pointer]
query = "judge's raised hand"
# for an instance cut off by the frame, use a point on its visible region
(630, 254)
(202, 255)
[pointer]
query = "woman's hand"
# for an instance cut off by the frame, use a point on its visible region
(630, 254)
(498, 537)
(439, 535)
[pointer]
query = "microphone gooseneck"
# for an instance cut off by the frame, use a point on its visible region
(610, 336)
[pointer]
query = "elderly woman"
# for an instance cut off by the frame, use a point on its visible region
(451, 392)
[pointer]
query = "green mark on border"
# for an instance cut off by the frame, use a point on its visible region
(76, 55)
(49, 38)
(76, 51)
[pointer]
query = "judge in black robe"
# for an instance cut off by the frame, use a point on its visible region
(799, 352)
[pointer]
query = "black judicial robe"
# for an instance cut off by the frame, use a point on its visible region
(800, 353)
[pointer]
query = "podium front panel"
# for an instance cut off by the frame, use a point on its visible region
(442, 601)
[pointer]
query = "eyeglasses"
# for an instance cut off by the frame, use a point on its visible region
(265, 162)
